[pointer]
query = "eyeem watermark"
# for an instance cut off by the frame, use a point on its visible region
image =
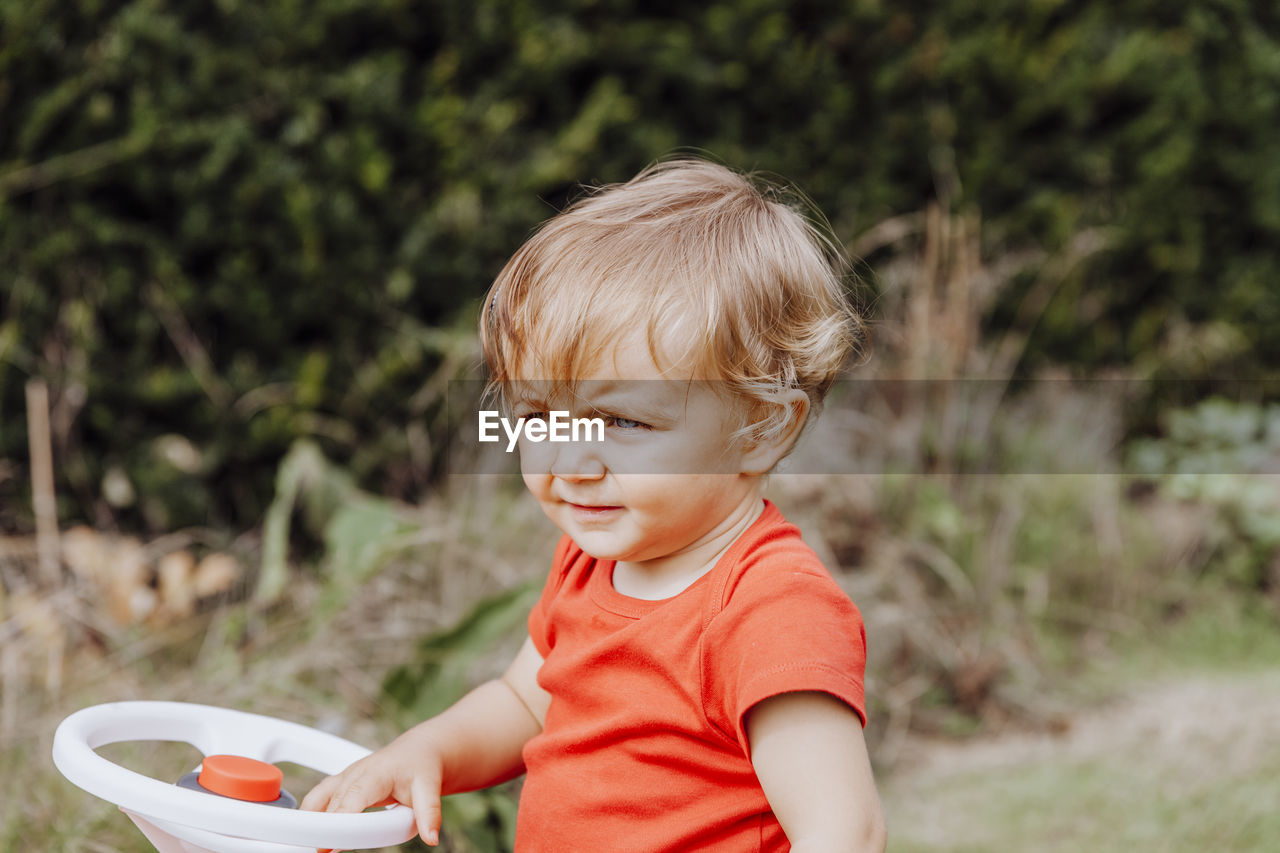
(555, 426)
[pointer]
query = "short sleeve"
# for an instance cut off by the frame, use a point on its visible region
(782, 631)
(539, 628)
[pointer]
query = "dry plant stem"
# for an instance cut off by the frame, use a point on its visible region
(42, 494)
(188, 345)
(72, 164)
(1004, 359)
(10, 687)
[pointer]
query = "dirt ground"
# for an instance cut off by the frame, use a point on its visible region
(1170, 740)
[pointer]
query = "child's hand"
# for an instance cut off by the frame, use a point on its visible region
(407, 771)
(475, 743)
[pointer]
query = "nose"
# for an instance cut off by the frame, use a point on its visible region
(575, 461)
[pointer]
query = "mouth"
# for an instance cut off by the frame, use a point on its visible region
(593, 510)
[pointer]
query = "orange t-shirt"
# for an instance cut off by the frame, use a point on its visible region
(644, 746)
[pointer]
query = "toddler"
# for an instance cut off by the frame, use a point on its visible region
(693, 677)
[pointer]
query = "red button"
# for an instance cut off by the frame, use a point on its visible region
(241, 778)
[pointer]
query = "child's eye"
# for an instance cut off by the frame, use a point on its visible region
(625, 423)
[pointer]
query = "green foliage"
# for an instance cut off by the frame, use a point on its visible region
(1215, 437)
(1216, 454)
(437, 675)
(486, 820)
(246, 223)
(360, 532)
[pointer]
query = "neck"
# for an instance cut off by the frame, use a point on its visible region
(671, 574)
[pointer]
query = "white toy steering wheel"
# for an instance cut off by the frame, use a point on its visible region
(210, 821)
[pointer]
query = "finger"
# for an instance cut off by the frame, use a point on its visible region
(357, 792)
(388, 801)
(357, 798)
(426, 808)
(318, 797)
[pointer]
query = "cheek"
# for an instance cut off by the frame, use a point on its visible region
(535, 459)
(670, 497)
(693, 498)
(536, 482)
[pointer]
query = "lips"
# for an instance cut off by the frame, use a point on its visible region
(593, 514)
(601, 508)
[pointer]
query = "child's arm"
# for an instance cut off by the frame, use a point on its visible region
(475, 743)
(811, 759)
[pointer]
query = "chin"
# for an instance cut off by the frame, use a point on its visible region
(599, 550)
(599, 546)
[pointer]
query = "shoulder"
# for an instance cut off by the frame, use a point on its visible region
(776, 587)
(771, 562)
(779, 623)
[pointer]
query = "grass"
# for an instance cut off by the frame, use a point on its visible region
(1189, 761)
(1119, 803)
(1116, 804)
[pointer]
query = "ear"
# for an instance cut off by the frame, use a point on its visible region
(761, 455)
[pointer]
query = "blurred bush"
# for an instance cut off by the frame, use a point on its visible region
(230, 225)
(1225, 456)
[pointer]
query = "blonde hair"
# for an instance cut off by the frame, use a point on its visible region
(690, 248)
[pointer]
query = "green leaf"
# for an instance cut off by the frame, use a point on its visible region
(437, 675)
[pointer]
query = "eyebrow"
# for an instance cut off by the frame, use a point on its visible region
(641, 397)
(632, 395)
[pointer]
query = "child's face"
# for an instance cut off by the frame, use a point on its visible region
(666, 474)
